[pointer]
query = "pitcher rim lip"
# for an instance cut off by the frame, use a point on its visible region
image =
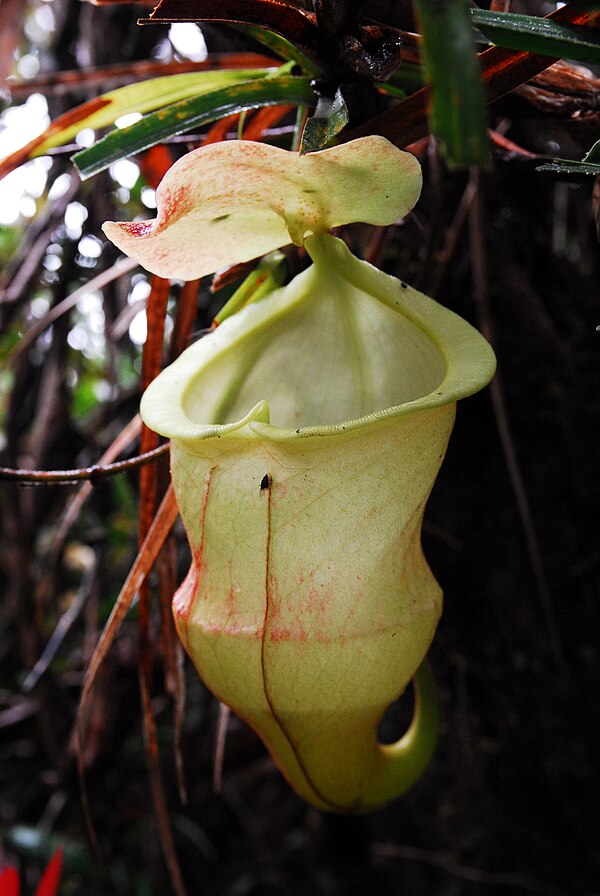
(470, 365)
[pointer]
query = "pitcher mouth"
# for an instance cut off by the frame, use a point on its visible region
(394, 351)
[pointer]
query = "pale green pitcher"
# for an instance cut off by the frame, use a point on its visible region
(306, 434)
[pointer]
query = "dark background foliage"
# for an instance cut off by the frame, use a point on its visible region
(509, 804)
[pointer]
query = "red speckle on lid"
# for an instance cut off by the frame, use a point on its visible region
(138, 228)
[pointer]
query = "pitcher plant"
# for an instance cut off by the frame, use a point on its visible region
(306, 433)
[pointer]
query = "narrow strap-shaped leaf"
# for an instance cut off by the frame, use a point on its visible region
(262, 119)
(592, 157)
(172, 649)
(156, 310)
(154, 164)
(184, 318)
(145, 96)
(457, 111)
(503, 70)
(537, 35)
(267, 276)
(569, 166)
(181, 117)
(121, 73)
(590, 164)
(282, 47)
(150, 490)
(218, 131)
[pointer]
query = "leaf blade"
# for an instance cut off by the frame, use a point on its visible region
(182, 116)
(145, 96)
(457, 109)
(105, 109)
(281, 46)
(590, 163)
(538, 35)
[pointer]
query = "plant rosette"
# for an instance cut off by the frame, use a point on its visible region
(306, 434)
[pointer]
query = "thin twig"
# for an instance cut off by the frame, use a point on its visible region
(122, 442)
(95, 473)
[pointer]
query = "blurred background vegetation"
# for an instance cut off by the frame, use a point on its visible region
(509, 805)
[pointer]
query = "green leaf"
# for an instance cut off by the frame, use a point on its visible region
(536, 35)
(186, 114)
(267, 276)
(457, 114)
(567, 166)
(392, 90)
(146, 96)
(285, 49)
(590, 164)
(331, 116)
(593, 155)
